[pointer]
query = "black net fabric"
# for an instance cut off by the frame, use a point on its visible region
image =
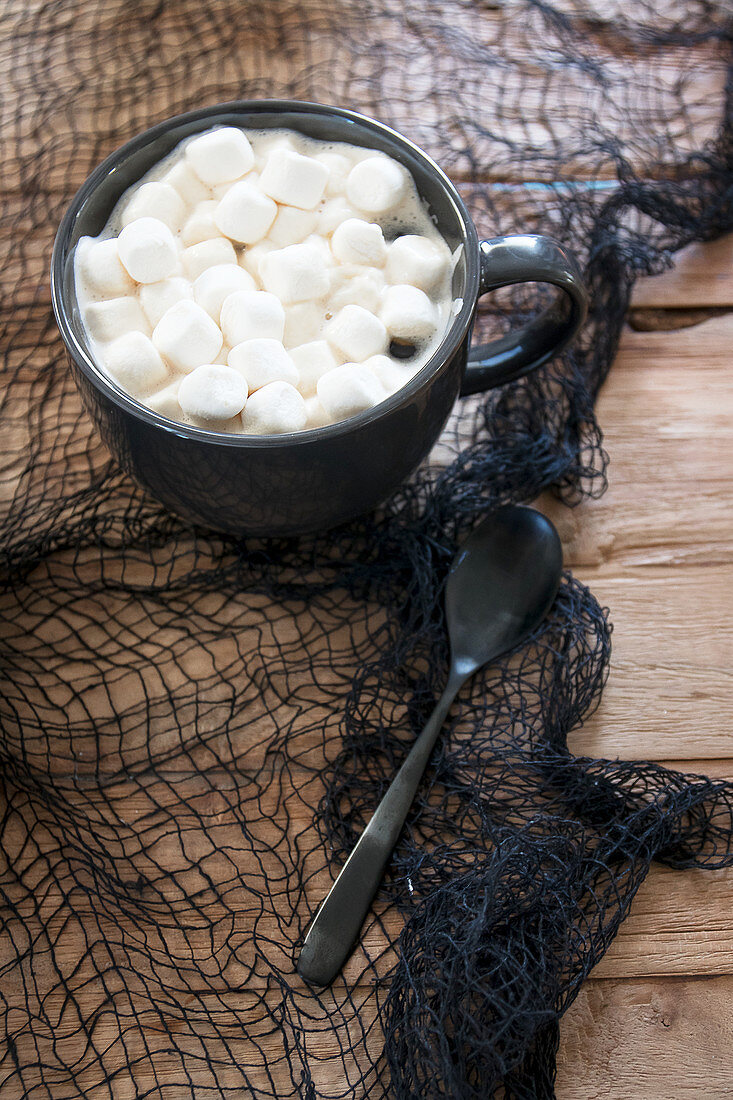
(195, 729)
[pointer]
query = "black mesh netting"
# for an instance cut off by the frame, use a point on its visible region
(195, 730)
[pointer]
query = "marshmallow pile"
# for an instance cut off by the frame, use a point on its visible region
(246, 284)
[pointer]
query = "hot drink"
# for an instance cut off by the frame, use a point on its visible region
(264, 282)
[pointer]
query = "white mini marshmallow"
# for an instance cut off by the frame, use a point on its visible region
(312, 360)
(417, 261)
(348, 390)
(115, 317)
(291, 178)
(291, 226)
(297, 273)
(213, 392)
(187, 337)
(359, 242)
(148, 250)
(357, 333)
(201, 226)
(333, 213)
(200, 257)
(185, 181)
(376, 185)
(268, 143)
(321, 247)
(220, 155)
(156, 298)
(156, 200)
(219, 190)
(251, 257)
(135, 363)
(244, 213)
(393, 376)
(217, 283)
(262, 362)
(316, 414)
(303, 323)
(339, 167)
(165, 401)
(276, 408)
(408, 313)
(251, 314)
(355, 285)
(101, 268)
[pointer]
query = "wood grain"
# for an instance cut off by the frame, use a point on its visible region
(657, 549)
(289, 46)
(680, 923)
(700, 276)
(661, 1040)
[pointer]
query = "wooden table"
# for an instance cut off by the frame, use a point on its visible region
(654, 1021)
(656, 1018)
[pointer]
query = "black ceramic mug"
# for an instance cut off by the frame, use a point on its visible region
(314, 479)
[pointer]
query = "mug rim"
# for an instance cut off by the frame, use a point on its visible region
(442, 354)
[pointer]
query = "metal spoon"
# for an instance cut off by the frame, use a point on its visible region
(501, 585)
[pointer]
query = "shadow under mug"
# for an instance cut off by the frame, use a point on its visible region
(311, 480)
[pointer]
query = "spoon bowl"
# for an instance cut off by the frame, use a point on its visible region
(501, 584)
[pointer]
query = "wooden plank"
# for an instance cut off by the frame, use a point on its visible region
(94, 1040)
(170, 950)
(292, 47)
(657, 549)
(660, 1040)
(653, 706)
(168, 869)
(666, 412)
(680, 924)
(87, 998)
(702, 275)
(68, 711)
(672, 641)
(185, 713)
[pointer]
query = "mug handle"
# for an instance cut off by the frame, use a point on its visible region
(526, 259)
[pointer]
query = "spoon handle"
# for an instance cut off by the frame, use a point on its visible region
(337, 923)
